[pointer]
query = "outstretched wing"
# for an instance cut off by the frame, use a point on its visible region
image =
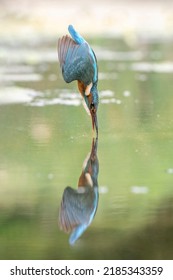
(76, 60)
(77, 211)
(76, 208)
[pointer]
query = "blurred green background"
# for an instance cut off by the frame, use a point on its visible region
(45, 133)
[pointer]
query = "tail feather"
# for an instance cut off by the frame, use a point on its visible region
(75, 35)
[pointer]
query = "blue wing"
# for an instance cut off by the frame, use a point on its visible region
(77, 210)
(77, 59)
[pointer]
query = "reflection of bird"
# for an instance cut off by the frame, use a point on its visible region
(78, 207)
(78, 62)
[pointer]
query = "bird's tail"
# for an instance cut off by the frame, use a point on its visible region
(75, 35)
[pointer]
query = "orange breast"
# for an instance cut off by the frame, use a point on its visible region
(81, 87)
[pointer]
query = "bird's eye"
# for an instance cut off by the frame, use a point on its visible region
(92, 106)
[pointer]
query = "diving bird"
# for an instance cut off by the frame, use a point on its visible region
(79, 206)
(78, 62)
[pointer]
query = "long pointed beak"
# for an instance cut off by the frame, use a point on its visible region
(94, 122)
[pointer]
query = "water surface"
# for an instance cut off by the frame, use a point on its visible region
(46, 136)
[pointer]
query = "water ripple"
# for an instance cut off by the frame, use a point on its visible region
(16, 95)
(163, 67)
(31, 97)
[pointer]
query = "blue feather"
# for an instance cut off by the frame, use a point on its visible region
(80, 40)
(95, 65)
(75, 35)
(76, 233)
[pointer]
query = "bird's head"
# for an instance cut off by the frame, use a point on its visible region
(92, 104)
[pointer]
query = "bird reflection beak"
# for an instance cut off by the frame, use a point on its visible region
(94, 121)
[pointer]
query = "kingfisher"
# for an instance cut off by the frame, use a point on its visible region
(78, 62)
(78, 207)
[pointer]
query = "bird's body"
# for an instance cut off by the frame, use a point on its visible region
(78, 62)
(79, 206)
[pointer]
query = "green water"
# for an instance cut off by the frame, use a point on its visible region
(45, 136)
